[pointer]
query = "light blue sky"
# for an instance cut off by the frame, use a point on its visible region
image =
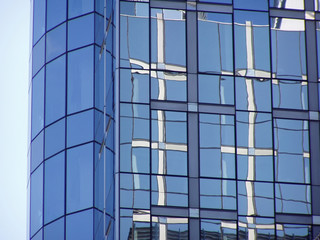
(14, 58)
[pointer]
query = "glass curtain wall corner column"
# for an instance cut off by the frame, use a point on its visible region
(213, 108)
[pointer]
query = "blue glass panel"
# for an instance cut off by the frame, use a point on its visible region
(266, 231)
(54, 187)
(79, 7)
(288, 4)
(80, 31)
(36, 209)
(221, 229)
(251, 4)
(39, 16)
(79, 178)
(55, 138)
(80, 226)
(261, 166)
(36, 151)
(80, 79)
(56, 42)
(38, 236)
(294, 231)
(55, 230)
(56, 12)
(37, 107)
(38, 56)
(217, 1)
(80, 128)
(55, 89)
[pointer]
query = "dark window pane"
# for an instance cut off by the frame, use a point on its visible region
(36, 151)
(37, 107)
(80, 226)
(36, 200)
(79, 7)
(79, 178)
(55, 89)
(39, 16)
(56, 12)
(56, 42)
(55, 230)
(80, 31)
(54, 188)
(55, 138)
(80, 79)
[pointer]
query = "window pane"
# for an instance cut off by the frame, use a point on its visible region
(56, 42)
(56, 12)
(256, 228)
(251, 4)
(79, 7)
(37, 107)
(55, 138)
(169, 228)
(55, 89)
(39, 15)
(38, 56)
(80, 31)
(218, 229)
(217, 1)
(288, 4)
(55, 230)
(80, 79)
(36, 210)
(291, 231)
(215, 44)
(79, 178)
(80, 226)
(134, 223)
(36, 151)
(54, 188)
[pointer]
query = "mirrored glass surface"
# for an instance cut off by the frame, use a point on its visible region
(79, 178)
(38, 236)
(253, 94)
(134, 223)
(291, 144)
(169, 228)
(54, 188)
(290, 94)
(288, 4)
(56, 42)
(215, 46)
(216, 89)
(217, 158)
(36, 209)
(255, 198)
(218, 1)
(256, 228)
(80, 31)
(54, 230)
(168, 86)
(255, 167)
(39, 16)
(135, 191)
(37, 107)
(80, 79)
(169, 191)
(218, 229)
(38, 54)
(251, 4)
(292, 198)
(252, 50)
(168, 39)
(134, 35)
(318, 46)
(290, 231)
(36, 151)
(56, 12)
(288, 48)
(55, 89)
(218, 194)
(134, 85)
(55, 138)
(79, 225)
(79, 7)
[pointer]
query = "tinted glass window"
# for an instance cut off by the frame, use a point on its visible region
(55, 138)
(177, 227)
(37, 107)
(79, 7)
(36, 151)
(39, 15)
(80, 31)
(36, 210)
(54, 230)
(222, 229)
(80, 225)
(288, 4)
(251, 4)
(294, 231)
(56, 12)
(244, 228)
(56, 42)
(38, 56)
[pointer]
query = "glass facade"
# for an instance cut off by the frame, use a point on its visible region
(175, 120)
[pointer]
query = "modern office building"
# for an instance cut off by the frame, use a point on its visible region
(174, 120)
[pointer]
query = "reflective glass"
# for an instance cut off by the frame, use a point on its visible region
(169, 191)
(80, 226)
(218, 229)
(293, 231)
(54, 188)
(134, 85)
(255, 198)
(134, 35)
(134, 138)
(253, 94)
(79, 178)
(169, 228)
(80, 31)
(217, 158)
(135, 191)
(38, 56)
(38, 236)
(39, 16)
(292, 198)
(215, 44)
(79, 7)
(56, 42)
(37, 107)
(217, 1)
(251, 34)
(288, 4)
(169, 143)
(256, 228)
(134, 223)
(80, 79)
(168, 86)
(55, 138)
(36, 209)
(218, 194)
(288, 48)
(55, 230)
(251, 4)
(216, 89)
(255, 167)
(318, 46)
(168, 39)
(36, 151)
(56, 12)
(290, 94)
(291, 145)
(55, 89)
(78, 128)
